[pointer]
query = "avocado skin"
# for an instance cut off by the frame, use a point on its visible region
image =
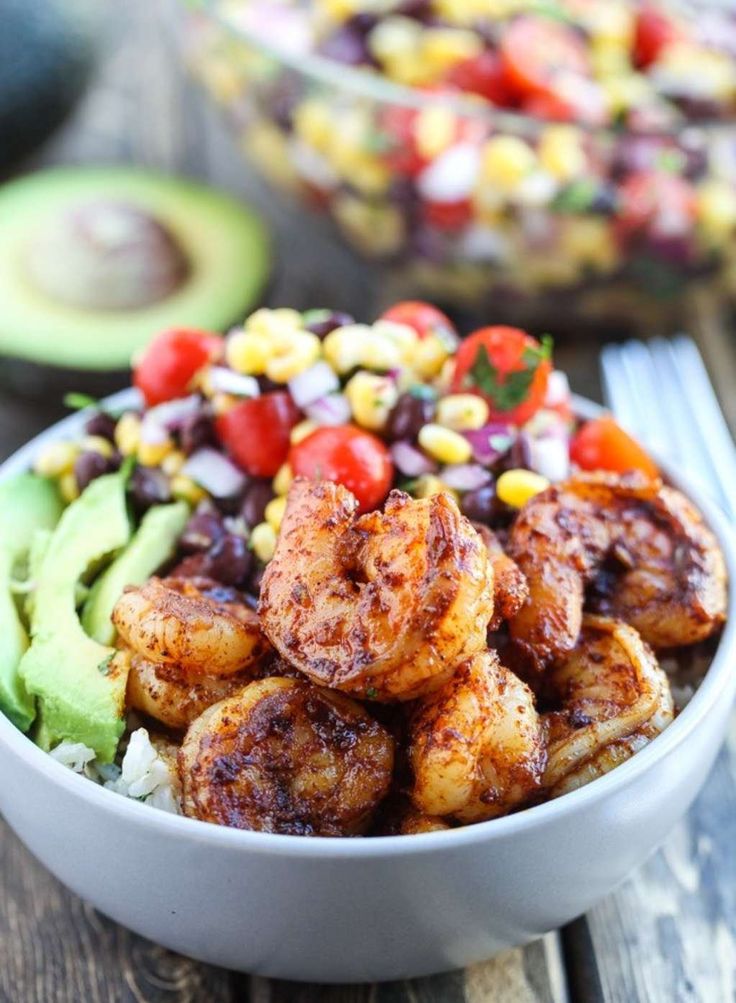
(45, 58)
(153, 544)
(28, 504)
(79, 683)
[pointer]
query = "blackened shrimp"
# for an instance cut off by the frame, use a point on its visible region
(510, 590)
(659, 566)
(284, 756)
(615, 698)
(384, 605)
(203, 629)
(476, 746)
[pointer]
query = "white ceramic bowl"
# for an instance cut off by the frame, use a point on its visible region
(351, 910)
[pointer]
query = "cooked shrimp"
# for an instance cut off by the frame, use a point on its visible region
(284, 756)
(383, 606)
(165, 693)
(202, 628)
(510, 590)
(669, 578)
(401, 818)
(477, 745)
(615, 698)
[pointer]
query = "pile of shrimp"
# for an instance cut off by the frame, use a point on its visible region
(406, 673)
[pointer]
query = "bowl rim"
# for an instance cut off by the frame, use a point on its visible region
(364, 83)
(719, 682)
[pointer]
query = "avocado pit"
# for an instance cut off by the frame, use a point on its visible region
(108, 255)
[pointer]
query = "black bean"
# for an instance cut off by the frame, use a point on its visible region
(257, 496)
(230, 560)
(409, 415)
(479, 505)
(196, 431)
(148, 486)
(203, 530)
(89, 466)
(321, 322)
(101, 424)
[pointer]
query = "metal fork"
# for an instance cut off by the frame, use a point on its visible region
(660, 391)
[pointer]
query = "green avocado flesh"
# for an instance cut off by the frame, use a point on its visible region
(224, 243)
(153, 545)
(79, 683)
(28, 505)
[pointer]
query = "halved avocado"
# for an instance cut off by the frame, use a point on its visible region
(95, 261)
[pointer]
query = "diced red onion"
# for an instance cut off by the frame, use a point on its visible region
(410, 461)
(215, 473)
(167, 417)
(465, 476)
(317, 381)
(334, 409)
(558, 388)
(548, 456)
(491, 442)
(227, 381)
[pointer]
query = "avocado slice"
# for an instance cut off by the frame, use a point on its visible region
(153, 544)
(95, 261)
(80, 683)
(28, 504)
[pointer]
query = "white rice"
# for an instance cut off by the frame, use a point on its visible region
(143, 774)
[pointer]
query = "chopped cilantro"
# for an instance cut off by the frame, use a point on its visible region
(509, 391)
(77, 401)
(576, 197)
(371, 693)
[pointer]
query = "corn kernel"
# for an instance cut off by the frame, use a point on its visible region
(405, 337)
(443, 444)
(247, 353)
(462, 412)
(344, 347)
(313, 123)
(625, 91)
(274, 512)
(263, 541)
(516, 487)
(185, 489)
(150, 454)
(716, 209)
(443, 48)
(371, 399)
(272, 322)
(394, 39)
(302, 430)
(56, 459)
(505, 161)
(588, 242)
(128, 433)
(561, 152)
(380, 353)
(293, 355)
(97, 444)
(435, 129)
(68, 487)
(173, 463)
(428, 484)
(376, 230)
(429, 357)
(282, 480)
(222, 403)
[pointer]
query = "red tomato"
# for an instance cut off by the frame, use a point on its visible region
(601, 444)
(423, 317)
(172, 360)
(655, 202)
(536, 51)
(448, 216)
(654, 31)
(349, 456)
(482, 75)
(398, 124)
(507, 367)
(549, 107)
(256, 432)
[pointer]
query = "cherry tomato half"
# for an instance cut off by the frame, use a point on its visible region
(654, 31)
(256, 432)
(601, 444)
(423, 317)
(351, 457)
(536, 51)
(172, 360)
(507, 367)
(483, 75)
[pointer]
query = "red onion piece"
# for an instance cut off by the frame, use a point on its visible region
(215, 473)
(548, 456)
(465, 476)
(317, 381)
(410, 461)
(167, 417)
(491, 442)
(334, 409)
(227, 381)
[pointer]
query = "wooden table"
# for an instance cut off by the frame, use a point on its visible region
(666, 935)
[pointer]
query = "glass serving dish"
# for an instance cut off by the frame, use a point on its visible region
(472, 203)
